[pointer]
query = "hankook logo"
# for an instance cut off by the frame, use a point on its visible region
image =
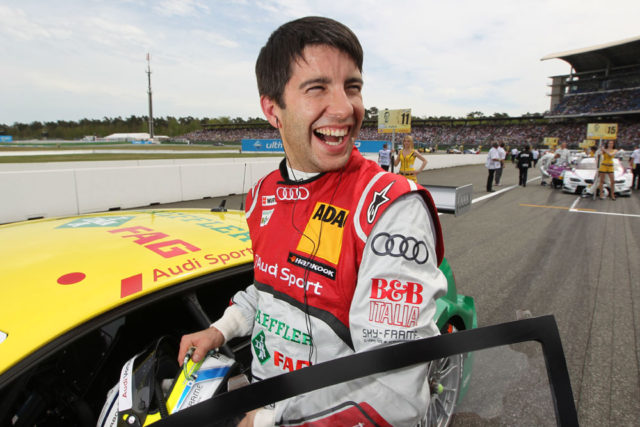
(292, 193)
(397, 245)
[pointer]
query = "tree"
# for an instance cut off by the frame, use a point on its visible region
(475, 115)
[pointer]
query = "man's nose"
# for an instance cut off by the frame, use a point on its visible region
(340, 105)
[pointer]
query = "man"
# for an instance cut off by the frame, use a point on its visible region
(384, 157)
(503, 156)
(634, 162)
(563, 155)
(514, 155)
(337, 242)
(524, 163)
(545, 161)
(492, 163)
(534, 156)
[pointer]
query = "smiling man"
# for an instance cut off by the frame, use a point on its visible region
(346, 254)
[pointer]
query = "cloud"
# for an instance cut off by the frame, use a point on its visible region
(180, 8)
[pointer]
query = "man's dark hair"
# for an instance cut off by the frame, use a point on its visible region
(285, 45)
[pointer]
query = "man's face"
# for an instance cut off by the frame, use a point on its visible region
(323, 109)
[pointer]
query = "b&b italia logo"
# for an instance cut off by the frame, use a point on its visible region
(395, 303)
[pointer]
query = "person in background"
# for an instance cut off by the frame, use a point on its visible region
(320, 228)
(514, 155)
(492, 163)
(535, 154)
(563, 155)
(634, 162)
(406, 158)
(384, 157)
(606, 169)
(503, 156)
(524, 163)
(546, 159)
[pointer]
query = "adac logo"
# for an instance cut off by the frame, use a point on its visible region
(260, 347)
(322, 236)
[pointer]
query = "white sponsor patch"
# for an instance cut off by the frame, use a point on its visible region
(269, 200)
(266, 216)
(3, 337)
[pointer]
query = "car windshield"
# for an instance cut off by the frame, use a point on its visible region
(586, 164)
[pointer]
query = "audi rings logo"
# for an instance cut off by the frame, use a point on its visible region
(397, 245)
(292, 193)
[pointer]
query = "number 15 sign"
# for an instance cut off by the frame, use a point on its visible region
(398, 121)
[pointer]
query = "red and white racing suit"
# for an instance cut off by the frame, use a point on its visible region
(365, 245)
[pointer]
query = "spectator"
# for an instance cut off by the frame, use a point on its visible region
(524, 163)
(634, 162)
(384, 157)
(492, 163)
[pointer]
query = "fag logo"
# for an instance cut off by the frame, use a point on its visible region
(322, 235)
(260, 347)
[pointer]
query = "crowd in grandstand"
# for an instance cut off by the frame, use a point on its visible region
(468, 135)
(599, 102)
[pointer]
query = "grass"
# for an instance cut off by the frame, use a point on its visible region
(180, 152)
(125, 156)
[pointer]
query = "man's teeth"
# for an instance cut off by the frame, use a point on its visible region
(332, 132)
(332, 136)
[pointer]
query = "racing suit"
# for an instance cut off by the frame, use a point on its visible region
(344, 262)
(545, 161)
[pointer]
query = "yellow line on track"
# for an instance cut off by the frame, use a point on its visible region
(556, 207)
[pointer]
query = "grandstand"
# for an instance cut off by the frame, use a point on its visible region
(603, 86)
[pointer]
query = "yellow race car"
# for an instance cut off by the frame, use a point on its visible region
(81, 295)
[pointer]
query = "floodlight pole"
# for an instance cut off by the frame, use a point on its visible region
(150, 102)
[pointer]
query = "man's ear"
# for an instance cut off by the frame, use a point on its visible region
(270, 110)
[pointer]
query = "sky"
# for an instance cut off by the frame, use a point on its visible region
(75, 59)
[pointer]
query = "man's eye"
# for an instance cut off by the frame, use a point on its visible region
(315, 88)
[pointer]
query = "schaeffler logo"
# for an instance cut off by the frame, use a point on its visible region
(395, 303)
(260, 347)
(292, 193)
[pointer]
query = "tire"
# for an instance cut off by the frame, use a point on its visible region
(445, 378)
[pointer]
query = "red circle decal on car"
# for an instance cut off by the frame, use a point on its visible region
(71, 278)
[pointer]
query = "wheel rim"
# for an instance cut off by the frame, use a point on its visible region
(444, 376)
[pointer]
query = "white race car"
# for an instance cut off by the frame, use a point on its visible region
(579, 179)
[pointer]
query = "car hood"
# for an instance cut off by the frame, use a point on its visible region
(58, 273)
(584, 173)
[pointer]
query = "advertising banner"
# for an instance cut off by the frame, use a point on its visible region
(275, 146)
(6, 138)
(262, 146)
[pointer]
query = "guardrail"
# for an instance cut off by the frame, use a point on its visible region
(41, 190)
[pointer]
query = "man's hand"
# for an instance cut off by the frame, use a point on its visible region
(203, 341)
(247, 421)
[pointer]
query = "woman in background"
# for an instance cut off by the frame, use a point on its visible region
(407, 157)
(606, 169)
